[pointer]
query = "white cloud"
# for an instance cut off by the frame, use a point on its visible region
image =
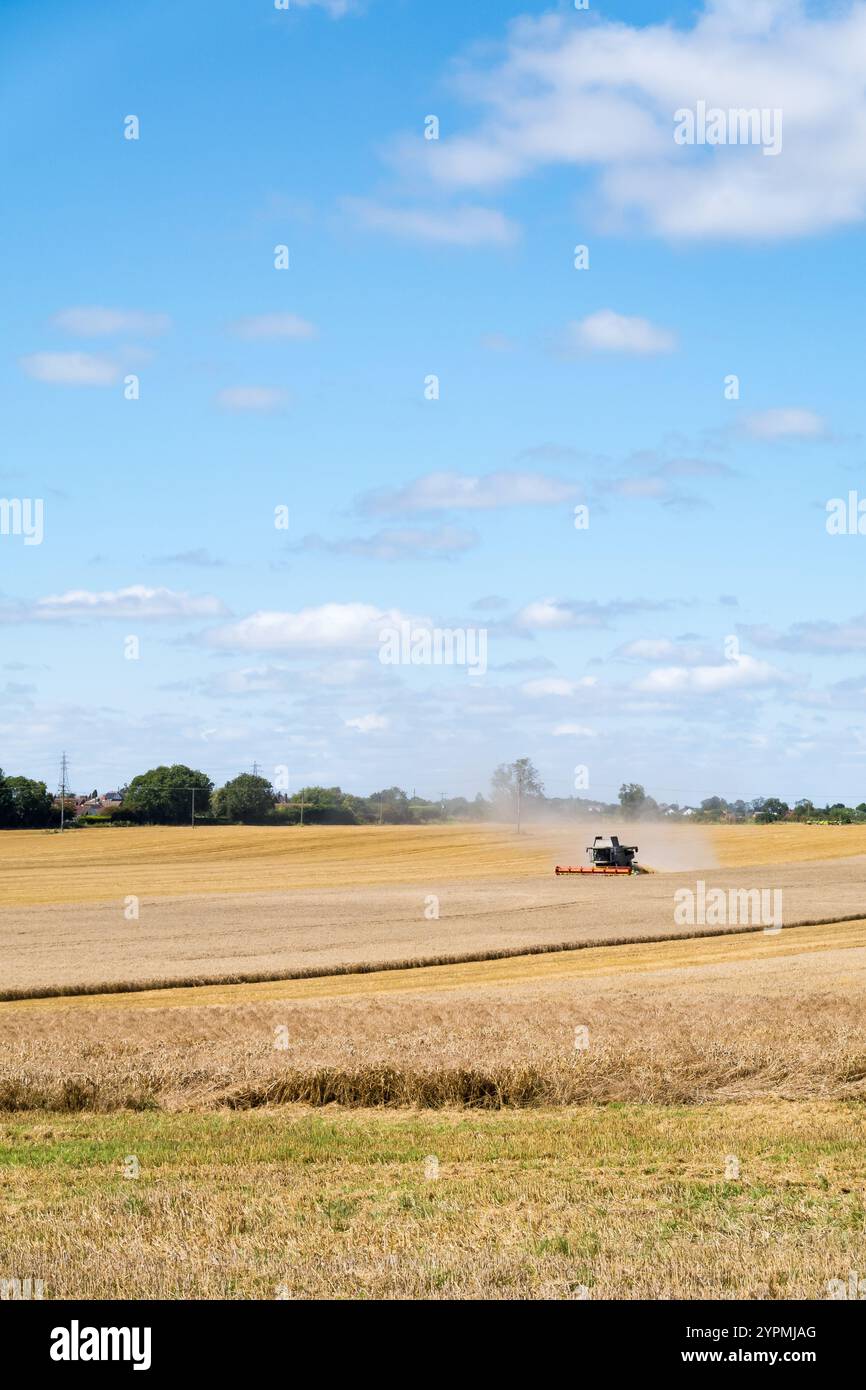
(663, 649)
(136, 601)
(573, 730)
(816, 638)
(454, 492)
(70, 368)
(261, 398)
(331, 625)
(335, 8)
(449, 226)
(787, 423)
(546, 614)
(497, 342)
(258, 326)
(648, 649)
(554, 685)
(602, 96)
(409, 543)
(551, 614)
(367, 723)
(251, 680)
(93, 321)
(745, 671)
(607, 331)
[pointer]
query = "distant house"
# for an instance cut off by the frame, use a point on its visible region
(112, 799)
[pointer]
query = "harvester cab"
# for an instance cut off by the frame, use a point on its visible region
(606, 856)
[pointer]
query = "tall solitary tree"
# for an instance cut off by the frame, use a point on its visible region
(515, 784)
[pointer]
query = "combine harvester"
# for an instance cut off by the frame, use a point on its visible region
(606, 856)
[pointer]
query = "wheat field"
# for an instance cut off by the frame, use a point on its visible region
(582, 1106)
(419, 894)
(96, 865)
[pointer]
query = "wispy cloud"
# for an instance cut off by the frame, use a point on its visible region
(94, 321)
(264, 326)
(557, 687)
(449, 226)
(135, 601)
(260, 398)
(408, 543)
(343, 626)
(787, 423)
(556, 615)
(70, 369)
(335, 8)
(367, 723)
(201, 558)
(744, 671)
(609, 332)
(650, 649)
(817, 638)
(435, 492)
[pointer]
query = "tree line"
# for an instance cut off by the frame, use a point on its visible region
(181, 795)
(178, 795)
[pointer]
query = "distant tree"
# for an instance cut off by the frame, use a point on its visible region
(391, 806)
(632, 798)
(163, 796)
(245, 798)
(803, 809)
(356, 809)
(325, 806)
(714, 807)
(32, 802)
(7, 804)
(25, 804)
(771, 809)
(514, 787)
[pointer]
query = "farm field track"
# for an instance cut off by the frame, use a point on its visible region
(606, 1203)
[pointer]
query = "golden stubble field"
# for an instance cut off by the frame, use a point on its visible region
(111, 908)
(98, 865)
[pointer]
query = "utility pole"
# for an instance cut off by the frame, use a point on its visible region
(255, 769)
(518, 803)
(64, 771)
(302, 805)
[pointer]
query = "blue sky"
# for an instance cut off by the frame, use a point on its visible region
(304, 388)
